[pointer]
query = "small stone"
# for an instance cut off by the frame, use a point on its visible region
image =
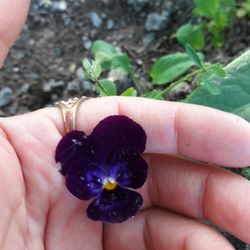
(138, 5)
(120, 77)
(80, 74)
(86, 43)
(156, 22)
(53, 85)
(180, 91)
(148, 39)
(60, 6)
(117, 75)
(87, 85)
(110, 24)
(66, 19)
(96, 20)
(6, 96)
(73, 87)
(24, 89)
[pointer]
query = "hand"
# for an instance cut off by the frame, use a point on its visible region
(38, 212)
(12, 16)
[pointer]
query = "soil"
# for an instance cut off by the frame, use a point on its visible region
(44, 65)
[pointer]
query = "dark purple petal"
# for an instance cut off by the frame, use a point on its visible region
(115, 206)
(84, 179)
(129, 169)
(118, 131)
(75, 145)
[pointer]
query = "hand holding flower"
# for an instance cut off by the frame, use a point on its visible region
(39, 212)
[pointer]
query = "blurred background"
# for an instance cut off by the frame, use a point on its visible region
(45, 63)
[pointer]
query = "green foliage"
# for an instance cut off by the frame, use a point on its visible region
(154, 94)
(216, 15)
(164, 71)
(234, 89)
(105, 87)
(246, 173)
(191, 34)
(130, 92)
(194, 56)
(168, 68)
(92, 70)
(109, 57)
(244, 9)
(206, 8)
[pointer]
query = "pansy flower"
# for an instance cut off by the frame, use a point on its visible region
(106, 165)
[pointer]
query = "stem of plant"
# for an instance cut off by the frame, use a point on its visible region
(174, 84)
(137, 83)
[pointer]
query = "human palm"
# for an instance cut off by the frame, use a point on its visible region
(38, 212)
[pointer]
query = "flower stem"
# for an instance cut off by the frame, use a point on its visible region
(137, 82)
(174, 84)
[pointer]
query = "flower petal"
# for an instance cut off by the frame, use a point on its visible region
(84, 179)
(75, 145)
(115, 206)
(129, 169)
(120, 130)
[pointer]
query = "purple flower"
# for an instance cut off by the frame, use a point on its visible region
(106, 165)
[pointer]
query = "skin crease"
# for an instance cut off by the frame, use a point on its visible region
(37, 212)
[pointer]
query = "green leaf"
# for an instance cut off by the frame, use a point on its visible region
(130, 92)
(105, 88)
(234, 89)
(109, 57)
(92, 69)
(217, 69)
(102, 47)
(192, 34)
(192, 54)
(243, 111)
(103, 53)
(153, 94)
(206, 8)
(169, 67)
(246, 173)
(121, 62)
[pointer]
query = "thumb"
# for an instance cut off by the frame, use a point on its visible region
(12, 17)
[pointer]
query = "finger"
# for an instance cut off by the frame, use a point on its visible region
(173, 128)
(12, 16)
(159, 229)
(200, 191)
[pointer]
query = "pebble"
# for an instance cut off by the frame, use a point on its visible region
(86, 84)
(53, 85)
(73, 87)
(60, 6)
(148, 39)
(120, 77)
(80, 74)
(24, 89)
(180, 90)
(66, 19)
(156, 22)
(6, 96)
(86, 43)
(110, 24)
(138, 5)
(96, 20)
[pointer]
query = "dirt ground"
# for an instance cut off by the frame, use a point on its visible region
(45, 63)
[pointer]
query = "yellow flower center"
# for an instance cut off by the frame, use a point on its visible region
(109, 184)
